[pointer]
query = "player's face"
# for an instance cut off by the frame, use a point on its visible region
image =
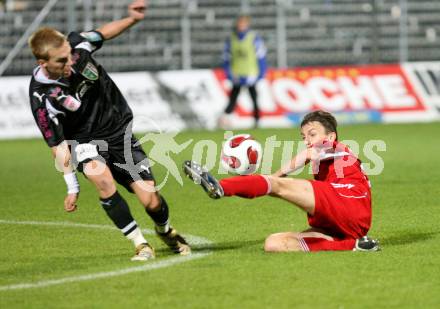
(60, 62)
(315, 133)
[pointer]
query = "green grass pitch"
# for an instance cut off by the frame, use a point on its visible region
(232, 271)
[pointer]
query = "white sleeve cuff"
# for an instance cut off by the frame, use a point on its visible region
(72, 183)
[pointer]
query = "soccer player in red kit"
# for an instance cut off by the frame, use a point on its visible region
(337, 201)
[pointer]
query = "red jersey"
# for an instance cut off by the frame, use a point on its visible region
(339, 165)
(342, 193)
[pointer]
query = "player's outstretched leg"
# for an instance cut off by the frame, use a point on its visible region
(201, 176)
(249, 186)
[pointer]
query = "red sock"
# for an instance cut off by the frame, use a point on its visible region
(320, 244)
(245, 186)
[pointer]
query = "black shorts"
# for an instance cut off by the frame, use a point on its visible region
(128, 163)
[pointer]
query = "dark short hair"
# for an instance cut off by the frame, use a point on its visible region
(327, 120)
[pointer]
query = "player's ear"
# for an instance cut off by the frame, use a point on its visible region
(42, 62)
(331, 136)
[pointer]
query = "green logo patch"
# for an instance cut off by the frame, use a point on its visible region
(90, 72)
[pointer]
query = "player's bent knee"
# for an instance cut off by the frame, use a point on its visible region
(150, 201)
(275, 185)
(282, 242)
(146, 201)
(271, 245)
(280, 187)
(106, 186)
(148, 198)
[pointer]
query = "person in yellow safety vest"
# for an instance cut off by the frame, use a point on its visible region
(244, 62)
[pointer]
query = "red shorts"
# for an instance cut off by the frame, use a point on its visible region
(342, 211)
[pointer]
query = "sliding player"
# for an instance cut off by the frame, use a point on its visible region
(337, 201)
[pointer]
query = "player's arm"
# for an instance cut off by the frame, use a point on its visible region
(227, 60)
(46, 111)
(260, 51)
(136, 12)
(297, 162)
(62, 156)
(318, 152)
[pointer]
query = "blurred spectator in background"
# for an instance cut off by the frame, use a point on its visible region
(244, 62)
(13, 5)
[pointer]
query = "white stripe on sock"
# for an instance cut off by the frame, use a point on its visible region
(128, 227)
(269, 186)
(303, 245)
(164, 228)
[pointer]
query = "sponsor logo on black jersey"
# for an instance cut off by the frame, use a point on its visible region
(82, 88)
(90, 72)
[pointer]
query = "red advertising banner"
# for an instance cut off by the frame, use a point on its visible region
(376, 89)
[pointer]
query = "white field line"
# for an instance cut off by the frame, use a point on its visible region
(150, 265)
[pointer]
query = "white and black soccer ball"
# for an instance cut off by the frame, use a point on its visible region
(241, 154)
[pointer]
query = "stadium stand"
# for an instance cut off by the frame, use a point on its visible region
(317, 32)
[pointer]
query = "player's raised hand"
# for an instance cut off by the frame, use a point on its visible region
(136, 9)
(70, 202)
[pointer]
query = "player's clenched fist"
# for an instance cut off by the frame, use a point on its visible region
(136, 9)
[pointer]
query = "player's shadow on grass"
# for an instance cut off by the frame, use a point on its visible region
(230, 245)
(405, 237)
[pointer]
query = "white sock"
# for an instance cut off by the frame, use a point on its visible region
(162, 229)
(137, 237)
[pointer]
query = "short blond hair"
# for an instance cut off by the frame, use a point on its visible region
(44, 39)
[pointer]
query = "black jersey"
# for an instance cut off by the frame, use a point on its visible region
(83, 107)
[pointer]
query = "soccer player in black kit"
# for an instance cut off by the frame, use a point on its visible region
(85, 120)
